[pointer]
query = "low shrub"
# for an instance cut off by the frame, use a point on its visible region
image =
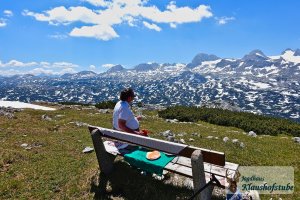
(247, 121)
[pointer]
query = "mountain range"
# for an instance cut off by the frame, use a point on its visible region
(255, 83)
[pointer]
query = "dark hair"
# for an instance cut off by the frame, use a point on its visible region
(128, 92)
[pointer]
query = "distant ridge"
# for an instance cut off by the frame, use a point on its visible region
(255, 83)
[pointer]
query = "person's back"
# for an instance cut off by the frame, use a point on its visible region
(123, 117)
(122, 111)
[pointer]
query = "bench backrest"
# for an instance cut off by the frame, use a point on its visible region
(209, 156)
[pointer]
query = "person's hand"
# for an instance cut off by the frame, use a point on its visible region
(139, 118)
(145, 132)
(142, 133)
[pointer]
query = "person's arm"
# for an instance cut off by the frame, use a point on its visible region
(123, 127)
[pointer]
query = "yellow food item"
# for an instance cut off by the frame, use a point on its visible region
(153, 155)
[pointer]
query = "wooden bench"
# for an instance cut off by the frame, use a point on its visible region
(193, 162)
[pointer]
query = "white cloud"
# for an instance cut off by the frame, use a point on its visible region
(16, 63)
(67, 70)
(8, 13)
(98, 31)
(15, 67)
(38, 71)
(100, 22)
(173, 25)
(10, 72)
(92, 67)
(101, 3)
(108, 65)
(152, 26)
(224, 20)
(59, 36)
(65, 65)
(61, 15)
(2, 22)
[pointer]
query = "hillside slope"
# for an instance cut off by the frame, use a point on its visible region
(52, 165)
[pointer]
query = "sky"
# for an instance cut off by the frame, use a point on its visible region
(66, 36)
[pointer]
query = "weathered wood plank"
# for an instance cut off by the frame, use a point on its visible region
(187, 172)
(214, 169)
(187, 162)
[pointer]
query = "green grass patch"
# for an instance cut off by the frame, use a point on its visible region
(56, 168)
(247, 121)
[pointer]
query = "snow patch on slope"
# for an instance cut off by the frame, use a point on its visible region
(17, 104)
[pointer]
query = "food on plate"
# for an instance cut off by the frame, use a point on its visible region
(153, 155)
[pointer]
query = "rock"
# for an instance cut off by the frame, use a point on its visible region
(37, 144)
(24, 145)
(191, 140)
(79, 124)
(172, 120)
(234, 141)
(196, 134)
(28, 148)
(170, 138)
(209, 137)
(46, 117)
(252, 134)
(180, 135)
(216, 138)
(242, 145)
(182, 141)
(296, 139)
(225, 139)
(9, 112)
(87, 150)
(166, 133)
(59, 116)
(104, 111)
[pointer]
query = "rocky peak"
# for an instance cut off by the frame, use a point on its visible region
(256, 55)
(146, 66)
(116, 68)
(201, 57)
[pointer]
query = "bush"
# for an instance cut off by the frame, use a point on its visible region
(73, 103)
(247, 121)
(106, 105)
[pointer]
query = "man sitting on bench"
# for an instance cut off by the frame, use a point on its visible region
(123, 117)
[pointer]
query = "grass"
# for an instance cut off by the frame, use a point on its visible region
(56, 168)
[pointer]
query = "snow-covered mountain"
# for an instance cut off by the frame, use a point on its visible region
(254, 83)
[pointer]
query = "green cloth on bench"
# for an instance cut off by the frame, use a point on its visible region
(138, 159)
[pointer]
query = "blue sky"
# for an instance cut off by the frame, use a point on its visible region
(59, 36)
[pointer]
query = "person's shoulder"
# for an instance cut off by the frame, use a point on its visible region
(124, 104)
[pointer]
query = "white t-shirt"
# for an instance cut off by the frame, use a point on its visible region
(122, 111)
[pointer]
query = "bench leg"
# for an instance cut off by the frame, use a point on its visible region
(105, 160)
(199, 176)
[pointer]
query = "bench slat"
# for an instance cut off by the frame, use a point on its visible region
(213, 169)
(187, 162)
(186, 171)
